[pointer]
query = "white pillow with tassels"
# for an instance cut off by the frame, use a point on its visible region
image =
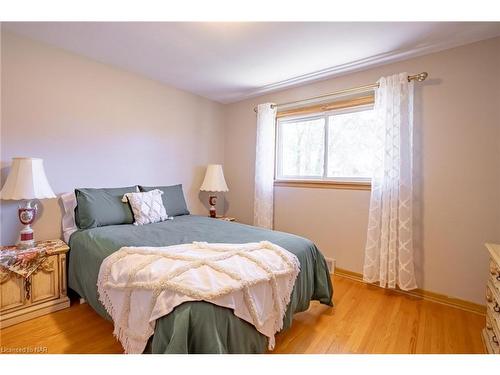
(147, 207)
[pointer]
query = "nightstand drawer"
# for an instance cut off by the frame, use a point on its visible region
(45, 281)
(491, 342)
(12, 291)
(492, 324)
(494, 268)
(491, 333)
(494, 280)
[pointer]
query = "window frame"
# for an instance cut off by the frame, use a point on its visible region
(356, 183)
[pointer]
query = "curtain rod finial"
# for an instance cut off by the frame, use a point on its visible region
(422, 76)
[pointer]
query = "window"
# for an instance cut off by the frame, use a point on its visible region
(332, 146)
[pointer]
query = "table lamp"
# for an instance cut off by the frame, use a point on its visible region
(214, 182)
(26, 181)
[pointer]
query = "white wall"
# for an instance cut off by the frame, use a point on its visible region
(457, 160)
(97, 126)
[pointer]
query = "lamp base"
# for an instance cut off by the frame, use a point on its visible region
(26, 238)
(213, 212)
(27, 217)
(212, 200)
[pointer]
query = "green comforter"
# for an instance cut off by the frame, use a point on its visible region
(197, 327)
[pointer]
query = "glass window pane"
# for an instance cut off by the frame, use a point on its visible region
(302, 148)
(351, 144)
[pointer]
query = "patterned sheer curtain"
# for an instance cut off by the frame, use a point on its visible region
(264, 166)
(389, 245)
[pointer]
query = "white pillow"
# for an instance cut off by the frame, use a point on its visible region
(68, 219)
(147, 207)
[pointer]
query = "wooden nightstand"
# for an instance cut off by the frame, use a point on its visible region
(43, 292)
(225, 218)
(491, 333)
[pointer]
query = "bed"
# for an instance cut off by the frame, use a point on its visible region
(198, 326)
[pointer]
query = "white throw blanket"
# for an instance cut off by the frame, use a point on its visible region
(138, 285)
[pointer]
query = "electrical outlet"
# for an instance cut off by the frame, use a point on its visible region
(330, 262)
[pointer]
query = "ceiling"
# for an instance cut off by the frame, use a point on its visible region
(228, 62)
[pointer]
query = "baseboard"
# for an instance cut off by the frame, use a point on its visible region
(423, 294)
(34, 311)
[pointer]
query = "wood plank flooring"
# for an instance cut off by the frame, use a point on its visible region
(365, 319)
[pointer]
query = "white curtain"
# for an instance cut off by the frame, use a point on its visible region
(389, 245)
(264, 166)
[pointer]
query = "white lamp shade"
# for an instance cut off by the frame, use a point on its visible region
(214, 179)
(27, 180)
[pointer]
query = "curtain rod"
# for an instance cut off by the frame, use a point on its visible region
(420, 77)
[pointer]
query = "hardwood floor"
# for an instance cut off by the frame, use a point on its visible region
(365, 319)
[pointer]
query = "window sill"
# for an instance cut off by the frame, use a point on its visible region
(322, 184)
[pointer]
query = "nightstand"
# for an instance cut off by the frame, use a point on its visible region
(42, 292)
(491, 332)
(225, 218)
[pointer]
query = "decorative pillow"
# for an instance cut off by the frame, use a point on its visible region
(173, 199)
(101, 207)
(147, 207)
